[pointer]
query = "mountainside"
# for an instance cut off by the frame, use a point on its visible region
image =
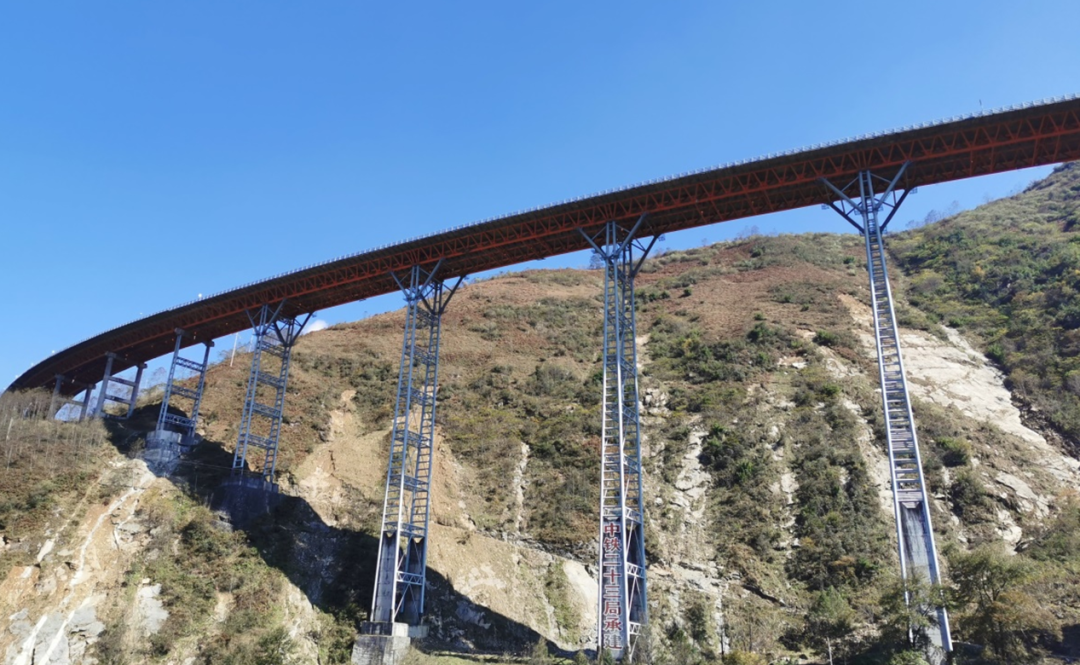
(769, 525)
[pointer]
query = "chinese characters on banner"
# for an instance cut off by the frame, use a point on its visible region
(611, 599)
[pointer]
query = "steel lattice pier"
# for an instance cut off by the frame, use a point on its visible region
(264, 404)
(622, 612)
(401, 569)
(185, 425)
(858, 203)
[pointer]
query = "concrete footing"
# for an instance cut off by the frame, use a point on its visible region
(385, 643)
(162, 452)
(245, 499)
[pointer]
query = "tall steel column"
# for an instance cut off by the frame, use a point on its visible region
(401, 569)
(260, 424)
(857, 202)
(623, 609)
(180, 365)
(106, 396)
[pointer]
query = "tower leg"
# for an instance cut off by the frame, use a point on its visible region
(623, 609)
(135, 389)
(260, 425)
(401, 567)
(84, 406)
(858, 203)
(99, 408)
(54, 402)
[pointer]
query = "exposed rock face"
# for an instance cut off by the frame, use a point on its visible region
(51, 607)
(495, 584)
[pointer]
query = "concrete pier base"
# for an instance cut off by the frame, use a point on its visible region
(245, 499)
(385, 643)
(162, 452)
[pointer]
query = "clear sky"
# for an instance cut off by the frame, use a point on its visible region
(151, 152)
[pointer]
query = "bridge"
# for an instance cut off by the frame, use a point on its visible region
(864, 179)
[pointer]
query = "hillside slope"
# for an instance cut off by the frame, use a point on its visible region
(769, 513)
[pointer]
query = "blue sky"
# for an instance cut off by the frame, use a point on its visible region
(152, 152)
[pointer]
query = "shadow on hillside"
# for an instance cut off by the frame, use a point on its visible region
(333, 566)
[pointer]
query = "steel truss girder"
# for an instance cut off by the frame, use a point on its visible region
(1021, 138)
(622, 610)
(401, 568)
(170, 421)
(274, 336)
(860, 204)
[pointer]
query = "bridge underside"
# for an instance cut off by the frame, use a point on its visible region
(1032, 135)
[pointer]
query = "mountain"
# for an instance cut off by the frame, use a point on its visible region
(769, 526)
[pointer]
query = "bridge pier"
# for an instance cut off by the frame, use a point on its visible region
(401, 574)
(264, 404)
(106, 396)
(174, 432)
(859, 204)
(58, 402)
(623, 611)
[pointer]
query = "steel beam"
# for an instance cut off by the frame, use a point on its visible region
(860, 204)
(264, 404)
(401, 568)
(622, 611)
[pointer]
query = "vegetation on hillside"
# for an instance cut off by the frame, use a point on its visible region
(758, 382)
(1008, 275)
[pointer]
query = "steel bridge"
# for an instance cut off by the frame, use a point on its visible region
(864, 179)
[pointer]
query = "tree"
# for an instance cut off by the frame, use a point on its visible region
(539, 655)
(995, 607)
(830, 620)
(907, 657)
(906, 619)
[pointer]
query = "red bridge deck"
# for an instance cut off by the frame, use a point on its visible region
(1021, 137)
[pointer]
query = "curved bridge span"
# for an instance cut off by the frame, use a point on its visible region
(993, 142)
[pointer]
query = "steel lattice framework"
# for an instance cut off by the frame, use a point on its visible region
(260, 425)
(402, 564)
(623, 610)
(1030, 135)
(911, 505)
(185, 425)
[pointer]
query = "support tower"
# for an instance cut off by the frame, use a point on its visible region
(260, 425)
(401, 569)
(58, 401)
(623, 609)
(107, 396)
(858, 203)
(183, 369)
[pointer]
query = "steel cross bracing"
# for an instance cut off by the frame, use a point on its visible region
(260, 425)
(622, 610)
(400, 573)
(185, 425)
(914, 530)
